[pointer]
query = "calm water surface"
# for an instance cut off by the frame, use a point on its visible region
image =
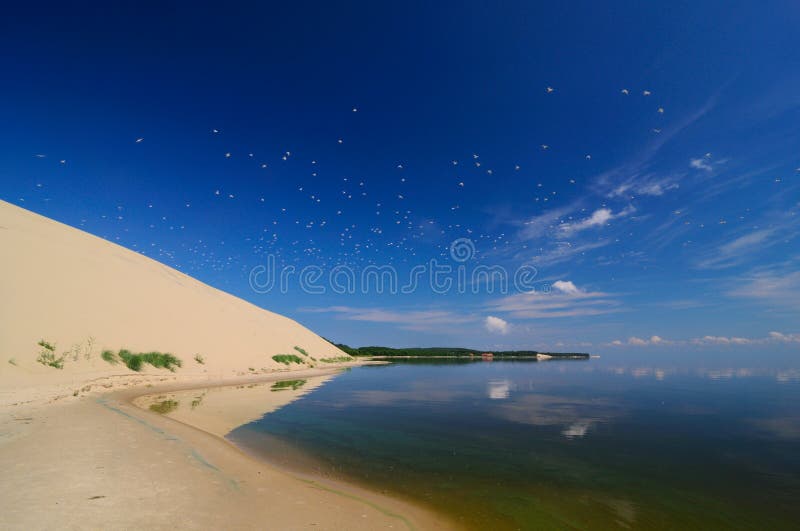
(605, 443)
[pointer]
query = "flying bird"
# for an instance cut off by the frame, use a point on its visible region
(625, 91)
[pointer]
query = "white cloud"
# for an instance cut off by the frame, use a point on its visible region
(496, 325)
(784, 338)
(701, 164)
(599, 217)
(566, 286)
(773, 337)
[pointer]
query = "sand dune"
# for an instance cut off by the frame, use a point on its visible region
(85, 294)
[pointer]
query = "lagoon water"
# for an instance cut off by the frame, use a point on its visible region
(656, 442)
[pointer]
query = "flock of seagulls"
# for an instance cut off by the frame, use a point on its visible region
(384, 221)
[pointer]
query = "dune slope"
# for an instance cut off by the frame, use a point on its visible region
(84, 294)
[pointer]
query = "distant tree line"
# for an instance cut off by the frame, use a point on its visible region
(430, 352)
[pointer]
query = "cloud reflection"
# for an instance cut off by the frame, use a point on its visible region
(499, 389)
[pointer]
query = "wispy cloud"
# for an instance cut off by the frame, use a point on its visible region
(599, 217)
(701, 164)
(564, 300)
(777, 286)
(408, 320)
(544, 224)
(564, 251)
(737, 250)
(635, 175)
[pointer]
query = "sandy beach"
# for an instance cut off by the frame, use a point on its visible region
(101, 462)
(76, 452)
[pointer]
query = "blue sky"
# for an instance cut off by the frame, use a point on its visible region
(642, 158)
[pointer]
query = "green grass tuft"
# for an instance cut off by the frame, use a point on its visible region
(159, 360)
(340, 359)
(301, 351)
(47, 355)
(199, 359)
(285, 385)
(165, 406)
(110, 357)
(286, 359)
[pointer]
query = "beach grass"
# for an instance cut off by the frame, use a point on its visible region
(288, 384)
(287, 359)
(110, 357)
(47, 355)
(165, 406)
(302, 351)
(339, 359)
(135, 361)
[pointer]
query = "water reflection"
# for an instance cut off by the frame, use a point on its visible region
(219, 410)
(499, 389)
(604, 444)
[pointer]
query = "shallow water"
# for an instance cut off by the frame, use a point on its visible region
(604, 443)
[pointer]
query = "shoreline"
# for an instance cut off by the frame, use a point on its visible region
(163, 469)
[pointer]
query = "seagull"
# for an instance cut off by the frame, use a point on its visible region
(341, 141)
(139, 140)
(625, 91)
(215, 131)
(661, 110)
(516, 167)
(549, 90)
(355, 109)
(63, 161)
(227, 155)
(545, 146)
(646, 93)
(588, 157)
